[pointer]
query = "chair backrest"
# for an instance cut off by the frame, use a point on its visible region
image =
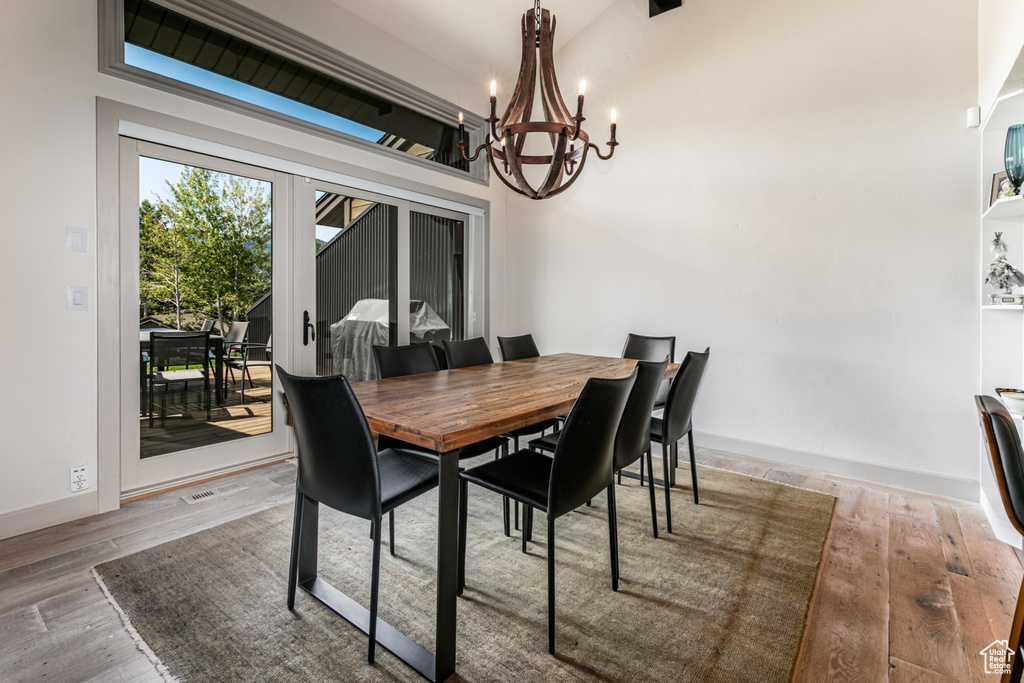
(398, 361)
(464, 354)
(236, 333)
(514, 348)
(582, 464)
(337, 459)
(207, 326)
(171, 348)
(639, 347)
(1004, 448)
(634, 436)
(682, 395)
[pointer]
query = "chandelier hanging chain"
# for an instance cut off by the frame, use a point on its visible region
(506, 137)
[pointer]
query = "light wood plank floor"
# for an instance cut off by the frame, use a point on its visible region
(911, 588)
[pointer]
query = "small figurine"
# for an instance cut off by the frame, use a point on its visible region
(1001, 274)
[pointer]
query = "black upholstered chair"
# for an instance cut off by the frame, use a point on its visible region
(514, 348)
(633, 440)
(467, 353)
(579, 470)
(640, 347)
(1004, 448)
(339, 467)
(677, 422)
(416, 359)
(187, 351)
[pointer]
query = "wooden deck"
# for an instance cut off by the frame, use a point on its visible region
(912, 586)
(186, 426)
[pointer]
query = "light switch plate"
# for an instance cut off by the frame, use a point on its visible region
(78, 298)
(77, 239)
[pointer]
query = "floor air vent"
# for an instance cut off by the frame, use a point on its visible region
(212, 493)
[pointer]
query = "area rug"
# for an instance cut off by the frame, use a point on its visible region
(723, 598)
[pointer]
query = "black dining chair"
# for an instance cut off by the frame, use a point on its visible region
(640, 347)
(188, 353)
(677, 422)
(1004, 448)
(416, 359)
(339, 467)
(514, 348)
(633, 440)
(580, 469)
(463, 354)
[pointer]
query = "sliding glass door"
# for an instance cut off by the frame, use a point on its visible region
(384, 271)
(198, 314)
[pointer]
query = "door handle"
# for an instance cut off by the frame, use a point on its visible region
(308, 329)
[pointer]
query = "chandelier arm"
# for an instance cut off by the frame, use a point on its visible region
(462, 148)
(611, 150)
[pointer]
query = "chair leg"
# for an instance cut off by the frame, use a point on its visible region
(668, 487)
(374, 585)
(504, 499)
(391, 532)
(1013, 644)
(527, 525)
(293, 560)
(654, 508)
(642, 472)
(613, 536)
(463, 508)
(516, 503)
(551, 585)
(693, 464)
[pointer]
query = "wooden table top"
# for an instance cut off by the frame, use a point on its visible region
(446, 410)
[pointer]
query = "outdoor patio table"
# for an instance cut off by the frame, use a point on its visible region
(444, 411)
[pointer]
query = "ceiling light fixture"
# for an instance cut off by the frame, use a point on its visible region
(506, 138)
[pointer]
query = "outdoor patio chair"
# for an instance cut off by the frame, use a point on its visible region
(250, 359)
(188, 353)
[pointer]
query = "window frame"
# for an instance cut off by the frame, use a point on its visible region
(271, 35)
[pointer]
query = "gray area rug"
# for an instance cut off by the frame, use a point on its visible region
(724, 598)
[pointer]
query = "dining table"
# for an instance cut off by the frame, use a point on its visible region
(443, 411)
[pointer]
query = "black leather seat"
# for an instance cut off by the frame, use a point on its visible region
(1004, 448)
(640, 347)
(339, 467)
(677, 422)
(415, 359)
(579, 470)
(633, 440)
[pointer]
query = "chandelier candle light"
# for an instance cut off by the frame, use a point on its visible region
(506, 136)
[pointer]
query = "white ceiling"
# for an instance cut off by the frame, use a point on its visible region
(478, 38)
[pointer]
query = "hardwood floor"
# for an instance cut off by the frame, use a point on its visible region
(911, 587)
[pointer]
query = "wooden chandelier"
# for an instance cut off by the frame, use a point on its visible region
(506, 137)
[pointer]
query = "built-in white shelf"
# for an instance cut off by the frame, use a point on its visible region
(1008, 209)
(1005, 112)
(1002, 307)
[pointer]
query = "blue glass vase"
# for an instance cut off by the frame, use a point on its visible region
(1015, 156)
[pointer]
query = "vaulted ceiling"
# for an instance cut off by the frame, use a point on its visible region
(478, 38)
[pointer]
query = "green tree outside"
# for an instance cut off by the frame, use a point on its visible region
(206, 251)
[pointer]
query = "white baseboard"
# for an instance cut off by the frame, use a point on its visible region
(967, 489)
(48, 514)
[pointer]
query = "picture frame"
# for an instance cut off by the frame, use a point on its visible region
(1001, 188)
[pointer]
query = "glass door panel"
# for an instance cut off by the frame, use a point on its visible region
(436, 276)
(205, 253)
(356, 281)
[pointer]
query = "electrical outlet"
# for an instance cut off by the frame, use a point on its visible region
(78, 478)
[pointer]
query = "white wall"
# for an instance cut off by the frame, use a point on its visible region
(48, 411)
(795, 188)
(1000, 38)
